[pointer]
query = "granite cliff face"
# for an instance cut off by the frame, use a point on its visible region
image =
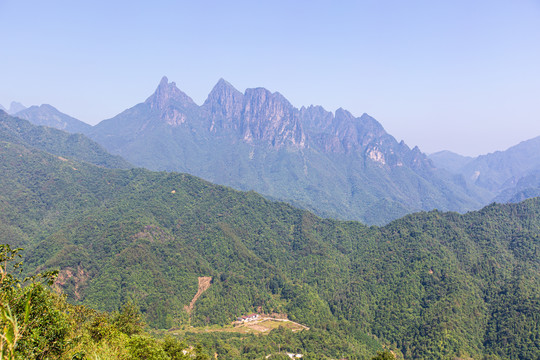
(271, 118)
(168, 95)
(259, 117)
(256, 116)
(171, 103)
(343, 133)
(333, 163)
(224, 107)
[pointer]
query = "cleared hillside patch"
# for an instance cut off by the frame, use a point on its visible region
(204, 284)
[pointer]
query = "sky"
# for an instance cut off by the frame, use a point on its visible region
(452, 75)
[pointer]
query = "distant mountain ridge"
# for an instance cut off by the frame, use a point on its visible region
(528, 186)
(502, 169)
(48, 115)
(449, 160)
(510, 175)
(334, 164)
(13, 108)
(54, 141)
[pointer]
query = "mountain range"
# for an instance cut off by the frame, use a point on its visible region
(510, 176)
(65, 145)
(334, 164)
(14, 108)
(431, 285)
(48, 115)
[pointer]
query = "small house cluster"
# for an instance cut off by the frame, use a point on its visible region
(295, 356)
(250, 317)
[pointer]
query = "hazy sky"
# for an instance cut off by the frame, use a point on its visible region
(456, 75)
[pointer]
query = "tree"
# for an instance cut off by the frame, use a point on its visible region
(384, 355)
(129, 319)
(31, 321)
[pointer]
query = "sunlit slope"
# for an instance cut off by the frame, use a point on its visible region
(434, 284)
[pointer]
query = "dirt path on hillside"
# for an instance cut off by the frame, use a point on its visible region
(204, 284)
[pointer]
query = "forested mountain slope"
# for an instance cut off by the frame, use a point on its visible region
(432, 285)
(57, 142)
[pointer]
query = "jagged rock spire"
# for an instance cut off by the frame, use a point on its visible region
(166, 93)
(224, 102)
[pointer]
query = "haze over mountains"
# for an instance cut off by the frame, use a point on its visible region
(14, 107)
(335, 164)
(47, 115)
(510, 175)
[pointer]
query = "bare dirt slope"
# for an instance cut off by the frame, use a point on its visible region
(204, 284)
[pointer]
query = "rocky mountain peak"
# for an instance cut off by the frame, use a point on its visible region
(224, 102)
(316, 118)
(416, 159)
(343, 114)
(15, 107)
(47, 107)
(167, 94)
(269, 116)
(48, 115)
(223, 87)
(164, 82)
(371, 125)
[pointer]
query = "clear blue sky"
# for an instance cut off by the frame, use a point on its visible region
(456, 75)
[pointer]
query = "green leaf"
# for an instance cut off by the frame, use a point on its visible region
(27, 311)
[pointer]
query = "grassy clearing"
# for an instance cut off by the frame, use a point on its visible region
(274, 324)
(253, 327)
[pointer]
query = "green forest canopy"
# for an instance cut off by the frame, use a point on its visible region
(431, 285)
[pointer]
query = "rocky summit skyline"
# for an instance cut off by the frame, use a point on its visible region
(441, 76)
(14, 107)
(333, 163)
